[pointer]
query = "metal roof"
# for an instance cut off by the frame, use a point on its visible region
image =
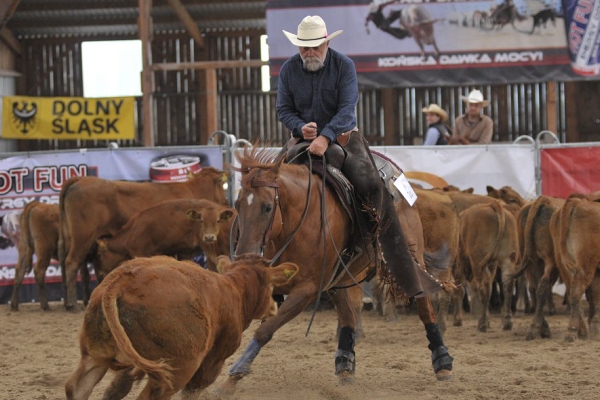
(92, 18)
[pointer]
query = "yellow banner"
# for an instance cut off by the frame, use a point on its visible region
(68, 118)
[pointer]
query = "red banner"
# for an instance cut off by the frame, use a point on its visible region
(570, 170)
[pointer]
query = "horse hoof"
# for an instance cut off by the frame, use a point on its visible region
(443, 375)
(507, 326)
(346, 378)
(530, 335)
(227, 388)
(570, 338)
(344, 362)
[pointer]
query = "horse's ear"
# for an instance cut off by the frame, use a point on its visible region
(278, 163)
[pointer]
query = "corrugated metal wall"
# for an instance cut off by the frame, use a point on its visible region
(54, 69)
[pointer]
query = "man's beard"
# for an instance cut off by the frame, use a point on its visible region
(312, 64)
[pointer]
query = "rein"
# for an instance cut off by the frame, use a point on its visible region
(275, 185)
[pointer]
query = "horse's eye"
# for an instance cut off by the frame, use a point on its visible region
(267, 208)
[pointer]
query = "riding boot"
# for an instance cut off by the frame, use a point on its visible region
(360, 170)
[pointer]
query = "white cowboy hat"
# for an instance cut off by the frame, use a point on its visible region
(312, 32)
(435, 109)
(475, 96)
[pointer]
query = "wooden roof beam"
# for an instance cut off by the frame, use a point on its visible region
(8, 38)
(7, 11)
(187, 21)
(207, 65)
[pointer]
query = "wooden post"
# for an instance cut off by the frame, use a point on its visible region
(389, 118)
(551, 108)
(145, 34)
(571, 108)
(208, 103)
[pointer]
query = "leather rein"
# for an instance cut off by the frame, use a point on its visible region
(273, 184)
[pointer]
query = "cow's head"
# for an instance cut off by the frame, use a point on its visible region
(272, 276)
(211, 219)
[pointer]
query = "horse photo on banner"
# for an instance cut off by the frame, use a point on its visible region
(422, 43)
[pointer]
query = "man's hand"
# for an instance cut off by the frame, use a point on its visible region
(455, 139)
(318, 146)
(309, 131)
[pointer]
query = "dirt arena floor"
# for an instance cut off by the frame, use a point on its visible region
(40, 350)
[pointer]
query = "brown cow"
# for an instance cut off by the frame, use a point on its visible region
(193, 226)
(507, 196)
(574, 229)
(418, 22)
(172, 320)
(440, 231)
(92, 207)
(513, 200)
(514, 203)
(39, 226)
(481, 255)
(537, 258)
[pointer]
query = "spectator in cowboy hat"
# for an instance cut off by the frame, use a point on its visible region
(473, 127)
(437, 133)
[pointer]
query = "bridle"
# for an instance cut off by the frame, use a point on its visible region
(255, 183)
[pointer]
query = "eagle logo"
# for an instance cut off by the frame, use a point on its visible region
(24, 117)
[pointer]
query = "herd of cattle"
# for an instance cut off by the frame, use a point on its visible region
(469, 239)
(535, 243)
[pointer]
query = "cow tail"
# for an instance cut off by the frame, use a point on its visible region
(26, 248)
(528, 233)
(158, 370)
(64, 234)
(566, 215)
(501, 218)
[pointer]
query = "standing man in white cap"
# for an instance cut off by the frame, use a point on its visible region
(317, 96)
(473, 127)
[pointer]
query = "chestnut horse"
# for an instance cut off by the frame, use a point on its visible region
(283, 213)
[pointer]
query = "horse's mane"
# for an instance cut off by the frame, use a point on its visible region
(254, 160)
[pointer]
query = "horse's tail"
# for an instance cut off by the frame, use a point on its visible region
(158, 370)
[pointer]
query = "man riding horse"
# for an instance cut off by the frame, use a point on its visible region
(317, 96)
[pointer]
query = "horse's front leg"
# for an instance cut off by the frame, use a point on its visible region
(297, 300)
(440, 357)
(347, 316)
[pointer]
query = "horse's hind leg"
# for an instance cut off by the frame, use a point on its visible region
(440, 357)
(347, 316)
(356, 297)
